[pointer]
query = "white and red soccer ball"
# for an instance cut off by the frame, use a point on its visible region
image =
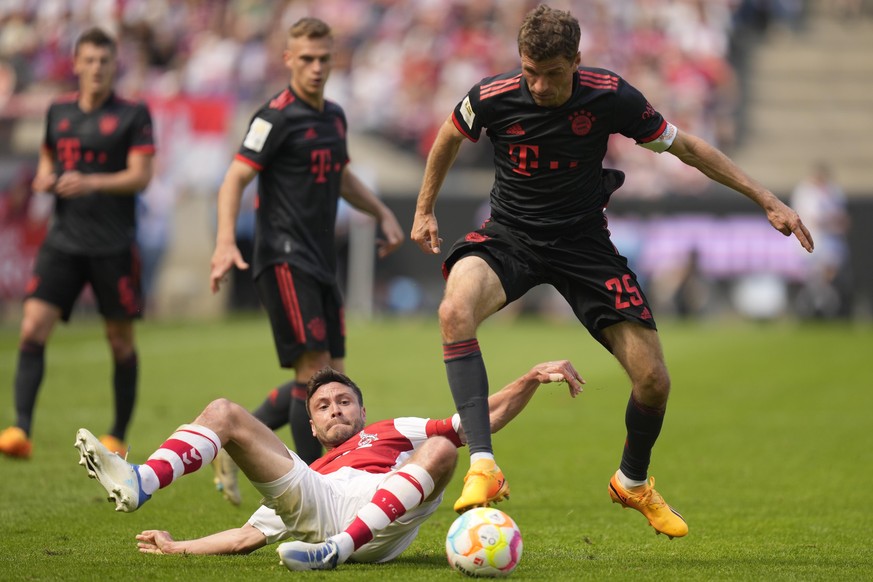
(484, 542)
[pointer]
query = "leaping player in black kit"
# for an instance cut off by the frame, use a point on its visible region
(96, 157)
(549, 123)
(296, 145)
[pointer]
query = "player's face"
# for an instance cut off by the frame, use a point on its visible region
(550, 81)
(95, 66)
(336, 414)
(310, 61)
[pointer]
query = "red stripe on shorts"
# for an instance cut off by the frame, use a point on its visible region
(289, 301)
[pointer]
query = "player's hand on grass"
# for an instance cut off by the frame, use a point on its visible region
(154, 541)
(560, 371)
(225, 257)
(426, 233)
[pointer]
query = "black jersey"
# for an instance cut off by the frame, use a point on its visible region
(548, 161)
(98, 141)
(300, 153)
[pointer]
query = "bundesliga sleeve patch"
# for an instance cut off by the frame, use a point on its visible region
(257, 135)
(467, 112)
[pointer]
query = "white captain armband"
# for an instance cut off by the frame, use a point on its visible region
(663, 141)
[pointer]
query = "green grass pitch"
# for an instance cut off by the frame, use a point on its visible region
(767, 450)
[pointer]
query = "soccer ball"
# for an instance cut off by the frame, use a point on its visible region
(484, 542)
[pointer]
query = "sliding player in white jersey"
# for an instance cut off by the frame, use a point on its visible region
(347, 505)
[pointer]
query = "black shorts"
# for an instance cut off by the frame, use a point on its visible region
(59, 277)
(584, 266)
(305, 314)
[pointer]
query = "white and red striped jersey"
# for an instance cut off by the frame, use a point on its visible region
(385, 445)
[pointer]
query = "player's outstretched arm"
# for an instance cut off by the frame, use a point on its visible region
(242, 540)
(361, 197)
(699, 154)
(425, 232)
(505, 404)
(227, 254)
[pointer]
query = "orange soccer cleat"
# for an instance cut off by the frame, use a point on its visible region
(14, 443)
(484, 484)
(115, 445)
(649, 502)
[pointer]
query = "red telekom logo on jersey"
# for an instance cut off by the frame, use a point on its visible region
(524, 157)
(69, 152)
(320, 166)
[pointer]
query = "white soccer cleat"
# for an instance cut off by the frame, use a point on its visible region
(225, 478)
(300, 556)
(119, 478)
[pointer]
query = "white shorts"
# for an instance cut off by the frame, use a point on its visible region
(308, 506)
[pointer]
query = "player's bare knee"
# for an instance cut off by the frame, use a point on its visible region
(438, 456)
(654, 384)
(445, 450)
(34, 330)
(221, 414)
(455, 320)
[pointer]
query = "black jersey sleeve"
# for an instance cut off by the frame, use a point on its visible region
(48, 140)
(143, 139)
(636, 118)
(467, 115)
(267, 130)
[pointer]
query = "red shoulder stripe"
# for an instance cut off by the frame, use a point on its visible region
(598, 80)
(67, 98)
(282, 100)
(498, 87)
(500, 82)
(483, 96)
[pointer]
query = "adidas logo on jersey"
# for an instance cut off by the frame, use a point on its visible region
(310, 134)
(515, 129)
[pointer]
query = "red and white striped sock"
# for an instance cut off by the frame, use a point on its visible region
(188, 449)
(402, 491)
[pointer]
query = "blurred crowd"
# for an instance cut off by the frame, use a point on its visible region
(401, 65)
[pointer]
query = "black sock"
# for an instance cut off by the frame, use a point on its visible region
(643, 427)
(308, 447)
(28, 378)
(468, 382)
(274, 410)
(124, 382)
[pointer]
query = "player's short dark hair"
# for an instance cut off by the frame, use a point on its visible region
(546, 34)
(325, 376)
(97, 37)
(310, 28)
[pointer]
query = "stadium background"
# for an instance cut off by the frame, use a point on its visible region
(779, 85)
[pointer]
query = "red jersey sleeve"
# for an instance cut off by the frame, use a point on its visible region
(443, 428)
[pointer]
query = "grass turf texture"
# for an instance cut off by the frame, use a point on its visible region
(766, 451)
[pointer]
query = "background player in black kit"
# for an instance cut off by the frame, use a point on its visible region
(296, 145)
(96, 157)
(549, 123)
